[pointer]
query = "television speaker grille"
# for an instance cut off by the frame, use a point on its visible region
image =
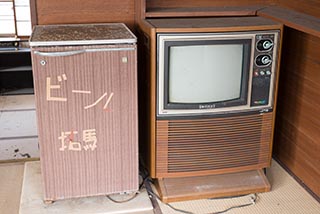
(213, 146)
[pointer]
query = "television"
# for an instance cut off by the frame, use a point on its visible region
(207, 103)
(211, 73)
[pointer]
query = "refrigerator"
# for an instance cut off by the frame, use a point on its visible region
(85, 83)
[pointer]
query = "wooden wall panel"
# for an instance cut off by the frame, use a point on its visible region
(94, 11)
(73, 11)
(203, 3)
(311, 7)
(297, 135)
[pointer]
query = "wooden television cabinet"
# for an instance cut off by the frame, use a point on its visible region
(189, 157)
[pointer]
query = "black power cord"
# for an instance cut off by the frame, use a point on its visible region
(143, 172)
(253, 201)
(135, 194)
(122, 201)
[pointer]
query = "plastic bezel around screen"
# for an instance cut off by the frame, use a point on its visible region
(165, 109)
(241, 100)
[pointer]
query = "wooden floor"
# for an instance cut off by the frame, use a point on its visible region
(286, 196)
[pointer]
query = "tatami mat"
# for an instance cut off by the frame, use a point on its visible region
(286, 197)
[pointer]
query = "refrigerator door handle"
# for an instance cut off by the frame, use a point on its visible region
(64, 53)
(71, 53)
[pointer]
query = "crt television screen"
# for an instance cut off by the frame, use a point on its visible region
(205, 73)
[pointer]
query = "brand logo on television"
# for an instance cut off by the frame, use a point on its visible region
(207, 106)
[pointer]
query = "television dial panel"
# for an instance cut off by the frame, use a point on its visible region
(262, 69)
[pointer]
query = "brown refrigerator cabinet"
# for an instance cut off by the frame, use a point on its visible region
(85, 80)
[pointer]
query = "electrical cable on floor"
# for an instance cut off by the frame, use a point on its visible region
(129, 199)
(169, 205)
(253, 201)
(145, 175)
(122, 201)
(145, 178)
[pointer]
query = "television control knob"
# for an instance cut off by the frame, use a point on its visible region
(268, 72)
(264, 45)
(263, 60)
(267, 44)
(262, 73)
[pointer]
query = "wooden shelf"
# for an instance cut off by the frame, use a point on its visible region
(13, 50)
(202, 11)
(16, 68)
(12, 45)
(296, 20)
(20, 91)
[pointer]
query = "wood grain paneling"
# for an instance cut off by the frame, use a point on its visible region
(201, 8)
(296, 20)
(113, 165)
(202, 3)
(213, 146)
(220, 24)
(212, 186)
(94, 11)
(72, 11)
(147, 79)
(33, 12)
(202, 11)
(311, 7)
(297, 135)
